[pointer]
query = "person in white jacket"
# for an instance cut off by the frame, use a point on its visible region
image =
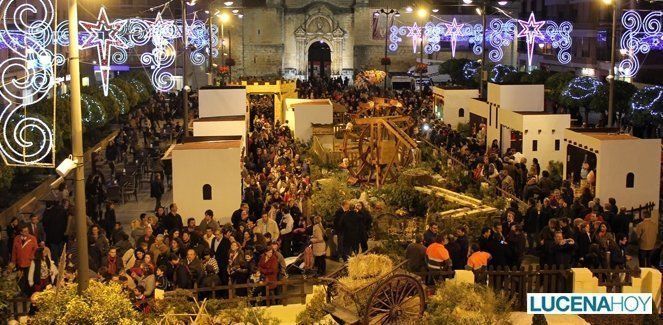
(267, 225)
(42, 270)
(287, 223)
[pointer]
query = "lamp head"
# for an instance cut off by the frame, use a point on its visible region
(224, 17)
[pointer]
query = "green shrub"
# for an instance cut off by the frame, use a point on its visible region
(474, 223)
(314, 312)
(467, 304)
(401, 194)
(330, 194)
(99, 304)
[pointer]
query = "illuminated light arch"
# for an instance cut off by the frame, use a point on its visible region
(26, 140)
(103, 35)
(640, 36)
(500, 34)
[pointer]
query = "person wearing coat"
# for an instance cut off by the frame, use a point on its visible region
(157, 189)
(42, 271)
(367, 224)
(319, 246)
(646, 232)
(269, 268)
(23, 252)
(351, 230)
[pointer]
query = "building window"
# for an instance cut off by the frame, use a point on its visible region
(461, 112)
(630, 180)
(557, 145)
(207, 192)
(535, 145)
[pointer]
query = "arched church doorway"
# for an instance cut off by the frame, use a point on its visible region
(319, 59)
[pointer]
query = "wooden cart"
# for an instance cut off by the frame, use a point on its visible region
(397, 297)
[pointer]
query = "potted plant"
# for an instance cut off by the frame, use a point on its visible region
(421, 68)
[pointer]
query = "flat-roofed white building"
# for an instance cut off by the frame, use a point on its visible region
(627, 168)
(302, 114)
(207, 175)
(514, 118)
(450, 104)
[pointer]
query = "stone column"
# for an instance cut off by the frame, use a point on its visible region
(301, 55)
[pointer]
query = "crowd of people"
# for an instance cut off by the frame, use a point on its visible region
(163, 251)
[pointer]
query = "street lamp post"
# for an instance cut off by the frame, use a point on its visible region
(387, 12)
(483, 50)
(611, 70)
(210, 56)
(185, 59)
(422, 13)
(77, 149)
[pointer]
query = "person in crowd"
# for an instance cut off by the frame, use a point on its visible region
(437, 255)
(338, 218)
(42, 271)
(350, 227)
(237, 217)
(367, 224)
(269, 268)
(286, 226)
(112, 262)
(24, 248)
(37, 229)
(267, 225)
(319, 246)
(646, 232)
(208, 222)
(478, 258)
(55, 226)
(173, 221)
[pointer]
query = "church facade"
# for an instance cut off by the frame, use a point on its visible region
(300, 38)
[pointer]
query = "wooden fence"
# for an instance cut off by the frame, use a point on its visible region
(287, 291)
(513, 283)
(516, 283)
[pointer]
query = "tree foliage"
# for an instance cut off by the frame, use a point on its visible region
(580, 91)
(94, 114)
(110, 106)
(623, 93)
(504, 74)
(555, 83)
(457, 69)
(646, 111)
(132, 95)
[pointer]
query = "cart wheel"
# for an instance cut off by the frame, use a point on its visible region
(399, 299)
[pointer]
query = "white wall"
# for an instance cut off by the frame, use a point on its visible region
(196, 167)
(217, 102)
(454, 99)
(219, 128)
(301, 113)
(616, 158)
(517, 97)
(551, 127)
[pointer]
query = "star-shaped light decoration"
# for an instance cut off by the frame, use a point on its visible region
(103, 35)
(414, 33)
(454, 30)
(531, 30)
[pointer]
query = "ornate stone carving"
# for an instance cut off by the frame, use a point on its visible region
(320, 25)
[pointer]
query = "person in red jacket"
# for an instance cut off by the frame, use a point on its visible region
(23, 252)
(269, 268)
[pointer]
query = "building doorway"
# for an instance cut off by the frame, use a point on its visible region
(319, 59)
